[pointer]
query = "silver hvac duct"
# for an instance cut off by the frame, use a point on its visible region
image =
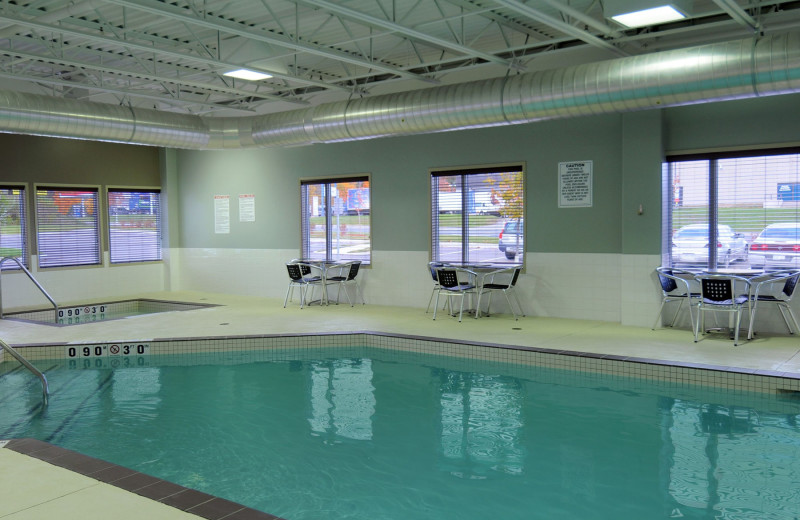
(740, 69)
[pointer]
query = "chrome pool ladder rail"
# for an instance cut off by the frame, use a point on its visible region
(35, 282)
(35, 371)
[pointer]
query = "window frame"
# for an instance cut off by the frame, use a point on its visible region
(25, 223)
(108, 216)
(464, 172)
(98, 222)
(668, 195)
(305, 236)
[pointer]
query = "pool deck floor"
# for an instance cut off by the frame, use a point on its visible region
(31, 488)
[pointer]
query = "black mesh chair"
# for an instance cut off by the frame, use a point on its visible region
(346, 273)
(503, 280)
(296, 280)
(782, 299)
(433, 266)
(722, 293)
(676, 286)
(455, 283)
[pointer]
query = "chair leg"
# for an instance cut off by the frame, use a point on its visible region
(478, 305)
(286, 300)
(700, 312)
(360, 293)
(343, 285)
(436, 305)
(750, 331)
(677, 311)
(736, 331)
(461, 312)
(428, 308)
(785, 309)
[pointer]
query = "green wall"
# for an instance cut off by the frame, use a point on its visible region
(626, 149)
(399, 167)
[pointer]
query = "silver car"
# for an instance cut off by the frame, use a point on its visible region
(690, 245)
(778, 245)
(510, 240)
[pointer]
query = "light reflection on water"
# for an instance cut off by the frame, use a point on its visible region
(390, 436)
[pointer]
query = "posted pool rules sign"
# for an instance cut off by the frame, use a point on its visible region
(575, 184)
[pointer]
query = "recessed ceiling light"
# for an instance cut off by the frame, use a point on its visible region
(653, 16)
(249, 75)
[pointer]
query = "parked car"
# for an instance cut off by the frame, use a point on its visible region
(778, 245)
(508, 242)
(690, 245)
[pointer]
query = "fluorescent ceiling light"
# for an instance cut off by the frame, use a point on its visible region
(249, 75)
(653, 16)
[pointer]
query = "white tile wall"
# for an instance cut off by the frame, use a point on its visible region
(96, 283)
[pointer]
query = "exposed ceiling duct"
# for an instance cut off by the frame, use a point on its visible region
(735, 70)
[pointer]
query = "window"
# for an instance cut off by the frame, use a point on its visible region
(477, 215)
(336, 219)
(134, 225)
(13, 226)
(748, 205)
(67, 226)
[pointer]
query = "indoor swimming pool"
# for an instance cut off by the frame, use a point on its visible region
(364, 433)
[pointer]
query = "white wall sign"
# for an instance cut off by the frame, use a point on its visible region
(575, 184)
(247, 207)
(222, 214)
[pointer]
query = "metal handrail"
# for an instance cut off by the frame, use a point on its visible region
(25, 270)
(16, 355)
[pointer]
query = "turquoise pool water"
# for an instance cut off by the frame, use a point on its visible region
(373, 434)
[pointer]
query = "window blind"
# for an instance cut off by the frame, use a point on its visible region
(13, 225)
(134, 225)
(734, 200)
(67, 227)
(477, 215)
(335, 219)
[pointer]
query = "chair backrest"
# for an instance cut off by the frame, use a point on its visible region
(447, 277)
(668, 284)
(433, 266)
(789, 286)
(353, 270)
(514, 278)
(304, 269)
(295, 273)
(717, 289)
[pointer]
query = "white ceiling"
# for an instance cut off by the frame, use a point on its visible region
(170, 55)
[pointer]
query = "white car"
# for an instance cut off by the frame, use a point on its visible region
(778, 245)
(690, 245)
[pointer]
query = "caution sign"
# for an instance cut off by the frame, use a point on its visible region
(575, 184)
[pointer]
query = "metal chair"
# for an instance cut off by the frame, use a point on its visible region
(314, 276)
(676, 286)
(722, 293)
(296, 279)
(782, 299)
(504, 280)
(347, 273)
(455, 282)
(433, 266)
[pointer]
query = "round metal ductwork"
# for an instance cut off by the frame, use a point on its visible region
(734, 70)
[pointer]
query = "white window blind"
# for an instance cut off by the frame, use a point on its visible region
(471, 208)
(335, 219)
(134, 225)
(67, 226)
(13, 226)
(747, 197)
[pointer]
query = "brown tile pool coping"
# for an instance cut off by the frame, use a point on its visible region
(185, 499)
